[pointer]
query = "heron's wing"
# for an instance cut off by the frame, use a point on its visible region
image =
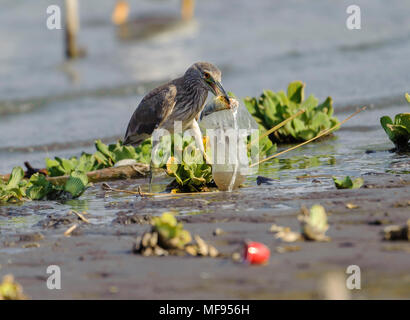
(153, 110)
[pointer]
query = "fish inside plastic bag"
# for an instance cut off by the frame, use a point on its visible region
(228, 132)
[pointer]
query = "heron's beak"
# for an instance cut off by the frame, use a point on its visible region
(218, 90)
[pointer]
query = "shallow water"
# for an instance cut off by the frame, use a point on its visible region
(49, 107)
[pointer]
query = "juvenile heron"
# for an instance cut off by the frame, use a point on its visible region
(181, 99)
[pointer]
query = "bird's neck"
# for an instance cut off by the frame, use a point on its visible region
(193, 84)
(196, 89)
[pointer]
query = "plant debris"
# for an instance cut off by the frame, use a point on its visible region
(218, 232)
(70, 230)
(264, 180)
(399, 130)
(348, 183)
(350, 205)
(285, 233)
(283, 249)
(18, 188)
(314, 223)
(167, 237)
(396, 232)
(11, 290)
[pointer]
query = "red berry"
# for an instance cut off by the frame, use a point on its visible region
(256, 253)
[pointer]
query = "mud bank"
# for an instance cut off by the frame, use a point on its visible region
(96, 260)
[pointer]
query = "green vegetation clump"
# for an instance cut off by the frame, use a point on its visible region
(106, 156)
(171, 234)
(191, 173)
(18, 189)
(348, 183)
(272, 108)
(314, 223)
(11, 290)
(15, 188)
(399, 130)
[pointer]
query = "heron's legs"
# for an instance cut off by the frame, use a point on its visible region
(199, 140)
(151, 164)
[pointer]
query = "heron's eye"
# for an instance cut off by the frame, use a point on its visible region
(207, 76)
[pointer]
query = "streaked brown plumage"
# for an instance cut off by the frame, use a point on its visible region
(181, 99)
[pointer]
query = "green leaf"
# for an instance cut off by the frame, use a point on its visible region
(403, 119)
(327, 106)
(357, 183)
(171, 233)
(296, 91)
(407, 97)
(76, 183)
(318, 218)
(103, 148)
(17, 174)
(39, 187)
(272, 108)
(398, 133)
(347, 183)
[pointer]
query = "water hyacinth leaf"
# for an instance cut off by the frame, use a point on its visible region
(320, 121)
(327, 106)
(15, 188)
(397, 133)
(407, 97)
(39, 187)
(104, 149)
(403, 119)
(172, 165)
(357, 183)
(385, 121)
(16, 176)
(296, 91)
(348, 183)
(318, 218)
(171, 233)
(76, 183)
(272, 108)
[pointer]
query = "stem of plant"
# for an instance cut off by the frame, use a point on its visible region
(278, 126)
(310, 140)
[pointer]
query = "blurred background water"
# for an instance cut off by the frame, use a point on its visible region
(52, 107)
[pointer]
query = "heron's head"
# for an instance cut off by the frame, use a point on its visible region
(210, 77)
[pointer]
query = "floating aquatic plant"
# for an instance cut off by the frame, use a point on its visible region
(191, 173)
(314, 223)
(399, 130)
(10, 289)
(171, 234)
(348, 183)
(167, 236)
(106, 156)
(272, 108)
(39, 188)
(15, 188)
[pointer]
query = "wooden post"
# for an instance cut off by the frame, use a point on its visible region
(187, 9)
(121, 12)
(72, 26)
